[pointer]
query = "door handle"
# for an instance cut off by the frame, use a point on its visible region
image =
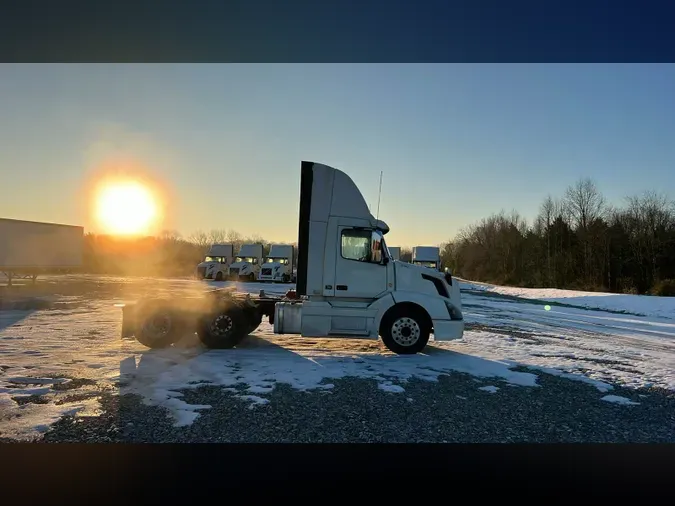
(341, 287)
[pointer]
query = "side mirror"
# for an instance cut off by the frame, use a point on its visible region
(385, 260)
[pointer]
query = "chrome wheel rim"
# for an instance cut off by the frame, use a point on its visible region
(221, 325)
(405, 331)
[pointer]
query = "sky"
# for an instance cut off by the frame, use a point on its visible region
(455, 143)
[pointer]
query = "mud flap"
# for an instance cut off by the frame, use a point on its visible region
(128, 321)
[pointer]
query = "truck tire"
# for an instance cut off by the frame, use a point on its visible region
(223, 328)
(157, 324)
(405, 331)
(285, 278)
(251, 277)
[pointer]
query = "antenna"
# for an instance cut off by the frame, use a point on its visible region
(379, 194)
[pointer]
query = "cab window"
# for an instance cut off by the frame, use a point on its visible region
(356, 245)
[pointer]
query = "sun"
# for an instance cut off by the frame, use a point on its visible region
(126, 208)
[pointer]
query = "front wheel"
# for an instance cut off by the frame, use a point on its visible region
(405, 332)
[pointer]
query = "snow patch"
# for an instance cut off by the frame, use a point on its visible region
(490, 389)
(617, 399)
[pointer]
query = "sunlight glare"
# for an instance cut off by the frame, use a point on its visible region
(126, 208)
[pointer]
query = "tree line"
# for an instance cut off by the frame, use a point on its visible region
(577, 241)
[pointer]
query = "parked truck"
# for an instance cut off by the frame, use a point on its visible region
(427, 256)
(30, 248)
(247, 264)
(347, 285)
(278, 266)
(395, 252)
(216, 264)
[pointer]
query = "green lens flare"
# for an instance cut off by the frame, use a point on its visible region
(547, 307)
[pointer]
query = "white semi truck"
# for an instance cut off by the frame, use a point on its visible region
(278, 266)
(427, 256)
(395, 252)
(247, 264)
(30, 248)
(216, 264)
(347, 285)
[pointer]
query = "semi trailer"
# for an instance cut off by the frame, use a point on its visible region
(395, 252)
(30, 248)
(216, 264)
(427, 256)
(278, 265)
(246, 265)
(347, 285)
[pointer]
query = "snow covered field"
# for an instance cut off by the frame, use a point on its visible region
(639, 305)
(56, 356)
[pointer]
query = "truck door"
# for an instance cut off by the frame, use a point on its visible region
(359, 271)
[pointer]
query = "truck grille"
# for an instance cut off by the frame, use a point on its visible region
(234, 271)
(266, 272)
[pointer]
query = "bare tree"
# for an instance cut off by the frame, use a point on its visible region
(200, 238)
(585, 201)
(586, 204)
(546, 215)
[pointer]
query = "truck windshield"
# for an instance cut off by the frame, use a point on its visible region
(282, 261)
(220, 260)
(431, 265)
(250, 260)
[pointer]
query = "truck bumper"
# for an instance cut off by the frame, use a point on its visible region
(448, 330)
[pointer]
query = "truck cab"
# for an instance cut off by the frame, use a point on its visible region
(347, 281)
(427, 256)
(247, 263)
(216, 263)
(278, 265)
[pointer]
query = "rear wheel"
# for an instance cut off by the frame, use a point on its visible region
(157, 324)
(405, 331)
(223, 328)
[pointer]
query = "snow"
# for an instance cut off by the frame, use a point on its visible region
(641, 305)
(41, 350)
(490, 389)
(617, 399)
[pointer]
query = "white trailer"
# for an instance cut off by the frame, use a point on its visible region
(427, 256)
(278, 265)
(30, 248)
(347, 286)
(395, 252)
(246, 265)
(216, 264)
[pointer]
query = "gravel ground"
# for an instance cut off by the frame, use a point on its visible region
(452, 410)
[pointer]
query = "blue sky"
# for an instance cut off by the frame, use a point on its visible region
(456, 142)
